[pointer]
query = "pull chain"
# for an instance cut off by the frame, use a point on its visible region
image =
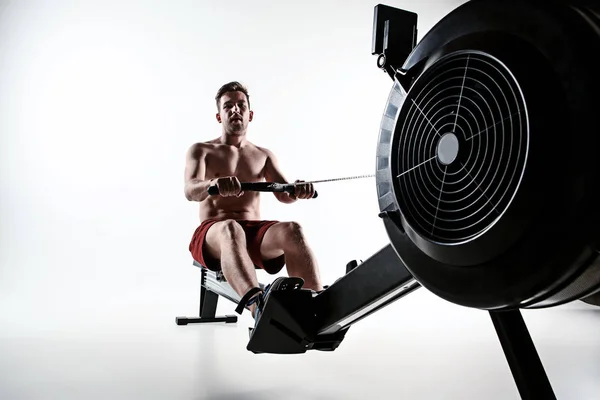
(342, 179)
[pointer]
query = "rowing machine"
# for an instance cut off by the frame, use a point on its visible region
(488, 203)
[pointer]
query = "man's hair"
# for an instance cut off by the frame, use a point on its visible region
(231, 87)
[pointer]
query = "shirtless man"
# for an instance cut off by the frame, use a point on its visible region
(232, 236)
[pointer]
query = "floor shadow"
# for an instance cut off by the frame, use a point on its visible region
(253, 395)
(270, 394)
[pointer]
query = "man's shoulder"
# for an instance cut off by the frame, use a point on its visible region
(202, 147)
(264, 150)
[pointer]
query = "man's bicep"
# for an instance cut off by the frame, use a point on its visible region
(195, 167)
(273, 172)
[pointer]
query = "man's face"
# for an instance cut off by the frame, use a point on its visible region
(234, 113)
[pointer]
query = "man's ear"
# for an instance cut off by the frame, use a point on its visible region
(251, 116)
(218, 117)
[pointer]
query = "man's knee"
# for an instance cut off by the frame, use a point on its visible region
(293, 233)
(231, 229)
(226, 233)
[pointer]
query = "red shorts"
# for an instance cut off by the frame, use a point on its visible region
(255, 232)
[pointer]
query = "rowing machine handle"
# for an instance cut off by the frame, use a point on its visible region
(261, 187)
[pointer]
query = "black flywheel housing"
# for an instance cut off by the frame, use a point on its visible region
(487, 159)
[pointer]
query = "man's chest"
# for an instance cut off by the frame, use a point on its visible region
(245, 165)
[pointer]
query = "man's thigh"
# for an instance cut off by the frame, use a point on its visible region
(271, 246)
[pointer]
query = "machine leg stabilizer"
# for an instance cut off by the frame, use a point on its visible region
(212, 286)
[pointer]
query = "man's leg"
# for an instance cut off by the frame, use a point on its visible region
(226, 241)
(287, 238)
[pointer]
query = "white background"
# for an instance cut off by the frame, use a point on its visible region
(99, 102)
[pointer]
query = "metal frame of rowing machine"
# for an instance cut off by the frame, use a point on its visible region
(375, 283)
(212, 285)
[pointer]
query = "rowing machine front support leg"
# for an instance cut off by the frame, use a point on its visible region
(522, 356)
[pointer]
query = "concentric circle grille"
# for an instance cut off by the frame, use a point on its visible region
(460, 144)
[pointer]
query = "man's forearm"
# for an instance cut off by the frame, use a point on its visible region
(285, 197)
(197, 190)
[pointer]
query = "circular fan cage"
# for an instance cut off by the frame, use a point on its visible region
(486, 171)
(462, 146)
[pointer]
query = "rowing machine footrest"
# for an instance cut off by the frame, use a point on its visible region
(287, 325)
